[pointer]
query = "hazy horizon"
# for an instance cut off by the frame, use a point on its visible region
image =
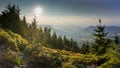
(69, 12)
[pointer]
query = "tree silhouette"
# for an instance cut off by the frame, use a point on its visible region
(10, 18)
(85, 48)
(101, 41)
(116, 39)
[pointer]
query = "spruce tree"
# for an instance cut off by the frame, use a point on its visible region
(59, 43)
(47, 37)
(54, 40)
(10, 19)
(24, 27)
(85, 48)
(34, 37)
(116, 39)
(101, 41)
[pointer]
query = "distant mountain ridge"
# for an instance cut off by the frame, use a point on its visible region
(110, 29)
(81, 34)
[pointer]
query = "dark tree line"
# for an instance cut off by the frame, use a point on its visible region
(10, 19)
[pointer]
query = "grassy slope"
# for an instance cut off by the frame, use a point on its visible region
(68, 59)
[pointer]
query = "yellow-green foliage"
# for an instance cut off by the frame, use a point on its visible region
(113, 56)
(69, 59)
(12, 45)
(65, 59)
(54, 58)
(13, 57)
(18, 39)
(11, 40)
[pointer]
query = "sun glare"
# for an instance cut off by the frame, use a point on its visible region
(38, 11)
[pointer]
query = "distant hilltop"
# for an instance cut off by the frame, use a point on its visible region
(110, 29)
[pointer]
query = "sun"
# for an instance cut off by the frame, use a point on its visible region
(38, 11)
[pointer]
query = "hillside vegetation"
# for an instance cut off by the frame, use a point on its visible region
(31, 46)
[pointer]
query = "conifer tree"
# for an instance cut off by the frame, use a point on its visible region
(116, 39)
(54, 40)
(101, 41)
(34, 37)
(60, 43)
(10, 19)
(24, 28)
(65, 43)
(47, 37)
(85, 48)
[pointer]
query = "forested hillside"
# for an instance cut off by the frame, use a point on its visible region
(30, 46)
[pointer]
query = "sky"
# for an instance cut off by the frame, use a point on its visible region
(69, 12)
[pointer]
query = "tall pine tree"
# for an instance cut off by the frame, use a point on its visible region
(10, 18)
(101, 41)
